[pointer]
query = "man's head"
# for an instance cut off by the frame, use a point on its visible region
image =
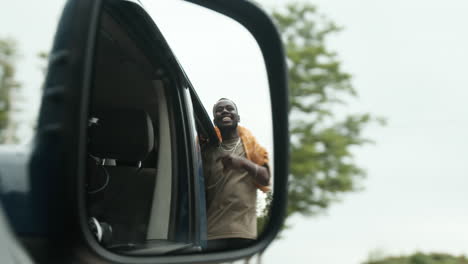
(225, 114)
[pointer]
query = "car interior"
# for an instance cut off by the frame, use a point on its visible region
(140, 195)
(130, 186)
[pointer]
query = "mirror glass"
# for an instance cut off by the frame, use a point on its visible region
(179, 155)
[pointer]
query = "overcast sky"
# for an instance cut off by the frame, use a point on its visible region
(409, 61)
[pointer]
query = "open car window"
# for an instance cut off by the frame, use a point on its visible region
(138, 187)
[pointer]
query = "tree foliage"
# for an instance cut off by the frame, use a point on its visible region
(8, 84)
(421, 258)
(322, 164)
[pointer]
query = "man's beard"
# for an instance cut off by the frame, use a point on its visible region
(228, 128)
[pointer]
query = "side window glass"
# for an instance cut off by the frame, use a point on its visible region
(23, 63)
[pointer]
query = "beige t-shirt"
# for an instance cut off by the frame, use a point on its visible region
(231, 196)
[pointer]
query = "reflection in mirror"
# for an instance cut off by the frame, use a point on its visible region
(172, 167)
(224, 61)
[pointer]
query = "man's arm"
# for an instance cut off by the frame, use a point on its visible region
(260, 174)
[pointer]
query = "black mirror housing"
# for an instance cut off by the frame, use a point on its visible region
(57, 163)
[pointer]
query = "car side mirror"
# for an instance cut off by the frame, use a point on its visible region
(122, 152)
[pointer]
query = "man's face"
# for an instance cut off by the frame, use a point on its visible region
(225, 114)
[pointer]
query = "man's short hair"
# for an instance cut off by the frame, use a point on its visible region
(224, 99)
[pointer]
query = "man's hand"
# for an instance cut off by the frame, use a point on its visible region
(231, 162)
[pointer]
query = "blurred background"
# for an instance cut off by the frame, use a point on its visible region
(378, 93)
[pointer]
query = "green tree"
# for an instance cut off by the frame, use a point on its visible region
(8, 84)
(421, 258)
(322, 161)
(43, 57)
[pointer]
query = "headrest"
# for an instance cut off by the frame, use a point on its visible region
(120, 133)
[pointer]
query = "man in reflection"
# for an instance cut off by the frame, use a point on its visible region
(233, 170)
